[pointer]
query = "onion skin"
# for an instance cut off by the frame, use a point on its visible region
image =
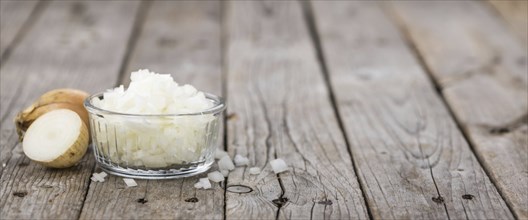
(55, 99)
(74, 154)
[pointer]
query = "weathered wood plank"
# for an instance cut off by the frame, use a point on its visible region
(411, 157)
(13, 15)
(482, 71)
(280, 108)
(74, 44)
(515, 13)
(182, 38)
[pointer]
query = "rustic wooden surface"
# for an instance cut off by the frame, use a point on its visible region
(14, 20)
(405, 144)
(276, 89)
(515, 13)
(482, 72)
(382, 110)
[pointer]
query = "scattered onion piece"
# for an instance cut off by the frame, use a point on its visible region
(241, 161)
(254, 170)
(278, 166)
(204, 182)
(130, 182)
(226, 163)
(215, 176)
(220, 153)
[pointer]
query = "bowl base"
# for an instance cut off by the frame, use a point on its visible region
(153, 174)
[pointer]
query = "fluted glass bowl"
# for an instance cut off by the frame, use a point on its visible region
(161, 146)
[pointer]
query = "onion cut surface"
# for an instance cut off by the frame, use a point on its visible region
(58, 139)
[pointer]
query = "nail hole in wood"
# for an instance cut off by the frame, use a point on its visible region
(280, 201)
(142, 201)
(193, 200)
(20, 194)
(438, 199)
(468, 196)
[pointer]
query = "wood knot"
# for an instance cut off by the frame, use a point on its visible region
(280, 201)
(239, 189)
(438, 199)
(20, 194)
(142, 201)
(468, 196)
(193, 200)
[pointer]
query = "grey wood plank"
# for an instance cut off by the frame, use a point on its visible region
(516, 14)
(13, 15)
(74, 44)
(411, 157)
(481, 69)
(181, 38)
(280, 108)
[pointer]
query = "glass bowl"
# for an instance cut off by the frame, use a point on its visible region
(161, 146)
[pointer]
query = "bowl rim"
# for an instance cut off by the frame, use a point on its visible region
(219, 106)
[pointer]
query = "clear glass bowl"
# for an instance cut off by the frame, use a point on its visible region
(155, 146)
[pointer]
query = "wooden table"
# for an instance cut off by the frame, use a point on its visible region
(382, 110)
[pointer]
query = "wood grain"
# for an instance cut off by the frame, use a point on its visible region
(13, 16)
(182, 38)
(411, 157)
(516, 14)
(280, 108)
(67, 47)
(481, 69)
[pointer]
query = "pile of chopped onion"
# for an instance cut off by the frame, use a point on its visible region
(225, 164)
(154, 142)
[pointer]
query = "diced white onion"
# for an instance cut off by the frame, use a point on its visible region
(226, 163)
(225, 173)
(205, 183)
(198, 185)
(219, 153)
(103, 174)
(130, 182)
(254, 170)
(98, 177)
(278, 166)
(241, 161)
(215, 176)
(153, 142)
